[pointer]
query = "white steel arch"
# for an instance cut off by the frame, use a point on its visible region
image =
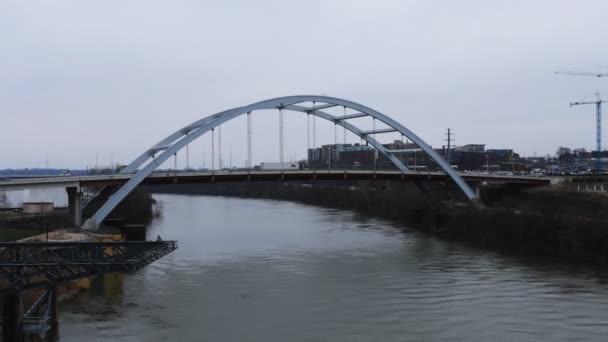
(164, 149)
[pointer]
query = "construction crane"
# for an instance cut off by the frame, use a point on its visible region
(581, 73)
(598, 126)
(598, 114)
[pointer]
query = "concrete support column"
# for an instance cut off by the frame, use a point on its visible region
(74, 206)
(52, 307)
(12, 314)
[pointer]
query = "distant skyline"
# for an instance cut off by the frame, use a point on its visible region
(80, 79)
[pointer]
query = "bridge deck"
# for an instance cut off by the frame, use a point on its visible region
(240, 176)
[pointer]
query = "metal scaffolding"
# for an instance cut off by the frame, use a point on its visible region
(26, 265)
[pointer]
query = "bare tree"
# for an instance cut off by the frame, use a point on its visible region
(562, 151)
(4, 202)
(580, 152)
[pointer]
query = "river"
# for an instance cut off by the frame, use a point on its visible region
(262, 270)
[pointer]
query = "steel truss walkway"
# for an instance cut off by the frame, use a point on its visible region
(25, 265)
(37, 264)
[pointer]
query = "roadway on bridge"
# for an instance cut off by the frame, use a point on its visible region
(241, 176)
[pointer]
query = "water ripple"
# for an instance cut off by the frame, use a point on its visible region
(253, 270)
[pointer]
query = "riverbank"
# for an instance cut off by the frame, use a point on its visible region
(17, 225)
(549, 222)
(554, 222)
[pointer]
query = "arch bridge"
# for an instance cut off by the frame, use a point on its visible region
(314, 105)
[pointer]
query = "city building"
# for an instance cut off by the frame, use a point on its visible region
(352, 156)
(471, 157)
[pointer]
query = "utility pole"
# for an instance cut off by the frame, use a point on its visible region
(448, 156)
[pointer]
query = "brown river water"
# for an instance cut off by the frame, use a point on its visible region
(262, 270)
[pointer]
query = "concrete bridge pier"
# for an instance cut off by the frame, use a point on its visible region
(12, 317)
(74, 206)
(52, 308)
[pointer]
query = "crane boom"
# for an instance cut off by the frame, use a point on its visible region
(581, 73)
(587, 102)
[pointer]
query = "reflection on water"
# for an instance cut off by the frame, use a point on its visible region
(258, 270)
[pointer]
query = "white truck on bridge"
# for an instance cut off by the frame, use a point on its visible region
(270, 166)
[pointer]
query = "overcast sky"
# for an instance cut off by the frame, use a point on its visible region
(80, 78)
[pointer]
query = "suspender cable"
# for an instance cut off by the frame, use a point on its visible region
(187, 157)
(249, 140)
(314, 128)
(374, 127)
(344, 116)
(175, 167)
(281, 137)
(406, 154)
(314, 131)
(219, 147)
(308, 130)
(212, 149)
(336, 133)
(375, 150)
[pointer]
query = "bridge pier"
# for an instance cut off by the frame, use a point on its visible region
(12, 317)
(52, 308)
(74, 206)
